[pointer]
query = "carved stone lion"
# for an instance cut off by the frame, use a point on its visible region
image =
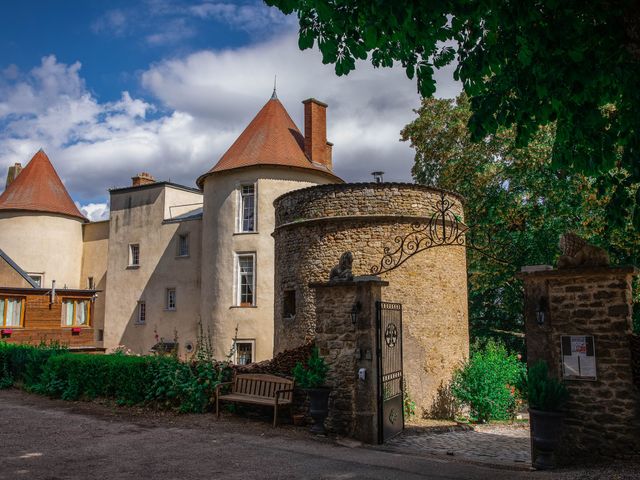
(576, 252)
(342, 272)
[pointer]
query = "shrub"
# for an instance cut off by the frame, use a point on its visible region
(186, 387)
(75, 376)
(23, 364)
(486, 383)
(159, 381)
(542, 391)
(314, 374)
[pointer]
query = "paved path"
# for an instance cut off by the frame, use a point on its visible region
(491, 444)
(52, 440)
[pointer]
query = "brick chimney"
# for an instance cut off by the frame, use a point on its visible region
(143, 178)
(12, 174)
(316, 147)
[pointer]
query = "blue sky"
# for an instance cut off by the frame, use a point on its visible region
(109, 89)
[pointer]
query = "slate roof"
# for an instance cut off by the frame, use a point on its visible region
(38, 188)
(270, 139)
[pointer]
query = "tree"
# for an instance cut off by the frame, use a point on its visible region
(517, 200)
(523, 64)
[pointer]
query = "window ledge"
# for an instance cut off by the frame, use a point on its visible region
(133, 267)
(243, 306)
(182, 256)
(170, 309)
(246, 233)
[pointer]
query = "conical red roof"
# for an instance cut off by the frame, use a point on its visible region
(270, 139)
(38, 188)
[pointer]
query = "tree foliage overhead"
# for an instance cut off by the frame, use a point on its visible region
(515, 199)
(523, 64)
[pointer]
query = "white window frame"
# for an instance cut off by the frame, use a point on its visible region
(37, 274)
(167, 298)
(179, 252)
(238, 280)
(132, 256)
(251, 342)
(240, 208)
(141, 313)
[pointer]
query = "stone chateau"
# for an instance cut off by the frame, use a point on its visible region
(236, 255)
(169, 256)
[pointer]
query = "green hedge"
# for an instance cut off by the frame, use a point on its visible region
(23, 364)
(159, 382)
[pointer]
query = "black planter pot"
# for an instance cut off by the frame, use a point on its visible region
(318, 408)
(546, 430)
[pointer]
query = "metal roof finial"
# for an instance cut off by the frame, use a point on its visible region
(274, 95)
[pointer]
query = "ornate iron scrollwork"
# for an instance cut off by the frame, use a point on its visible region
(444, 228)
(391, 335)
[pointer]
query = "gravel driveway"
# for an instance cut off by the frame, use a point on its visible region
(52, 439)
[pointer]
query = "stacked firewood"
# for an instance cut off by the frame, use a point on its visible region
(282, 364)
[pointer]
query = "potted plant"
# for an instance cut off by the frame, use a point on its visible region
(311, 378)
(547, 397)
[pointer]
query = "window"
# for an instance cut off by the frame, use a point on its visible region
(37, 278)
(134, 255)
(247, 209)
(289, 304)
(11, 311)
(142, 313)
(90, 284)
(183, 245)
(171, 299)
(246, 280)
(76, 312)
(244, 352)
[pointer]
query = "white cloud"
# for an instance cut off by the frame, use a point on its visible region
(201, 104)
(252, 17)
(95, 211)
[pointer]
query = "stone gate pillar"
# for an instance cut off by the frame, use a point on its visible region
(579, 321)
(346, 339)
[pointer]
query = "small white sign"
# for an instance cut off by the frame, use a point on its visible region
(578, 357)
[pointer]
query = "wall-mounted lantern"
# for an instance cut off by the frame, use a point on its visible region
(541, 311)
(355, 310)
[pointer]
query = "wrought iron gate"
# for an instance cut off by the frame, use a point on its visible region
(390, 378)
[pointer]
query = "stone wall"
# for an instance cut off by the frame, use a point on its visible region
(314, 226)
(603, 416)
(635, 353)
(353, 402)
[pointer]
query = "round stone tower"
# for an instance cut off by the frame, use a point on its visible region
(315, 225)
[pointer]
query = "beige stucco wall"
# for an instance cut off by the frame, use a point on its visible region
(95, 244)
(180, 202)
(44, 243)
(159, 269)
(221, 242)
(9, 277)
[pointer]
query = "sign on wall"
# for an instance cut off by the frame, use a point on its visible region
(578, 357)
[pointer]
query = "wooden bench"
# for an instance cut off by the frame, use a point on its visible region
(258, 389)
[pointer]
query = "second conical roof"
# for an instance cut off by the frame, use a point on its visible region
(38, 188)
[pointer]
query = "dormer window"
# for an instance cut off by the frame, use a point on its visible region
(247, 208)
